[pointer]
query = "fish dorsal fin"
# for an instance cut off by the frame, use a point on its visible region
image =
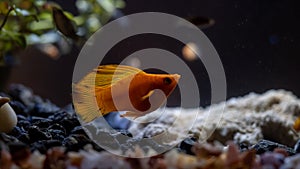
(107, 75)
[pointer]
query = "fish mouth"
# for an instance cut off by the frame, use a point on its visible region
(176, 77)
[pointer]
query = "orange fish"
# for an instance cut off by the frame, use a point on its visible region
(121, 88)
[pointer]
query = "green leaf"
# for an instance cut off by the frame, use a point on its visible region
(41, 25)
(119, 4)
(20, 40)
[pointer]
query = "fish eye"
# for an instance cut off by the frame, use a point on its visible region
(167, 80)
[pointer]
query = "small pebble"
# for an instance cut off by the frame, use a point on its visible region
(16, 131)
(7, 138)
(125, 132)
(43, 123)
(297, 147)
(57, 134)
(78, 130)
(19, 108)
(36, 134)
(58, 127)
(268, 146)
(24, 137)
(69, 123)
(21, 118)
(76, 142)
(187, 144)
(34, 119)
(243, 147)
(24, 124)
(59, 115)
(44, 110)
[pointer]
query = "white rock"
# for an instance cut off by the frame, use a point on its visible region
(8, 118)
(246, 119)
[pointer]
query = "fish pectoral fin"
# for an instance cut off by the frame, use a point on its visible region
(148, 95)
(134, 115)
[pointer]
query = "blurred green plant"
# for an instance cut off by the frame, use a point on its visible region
(30, 22)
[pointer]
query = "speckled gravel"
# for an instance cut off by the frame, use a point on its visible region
(42, 125)
(255, 132)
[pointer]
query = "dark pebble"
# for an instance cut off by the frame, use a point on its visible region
(24, 137)
(34, 119)
(7, 138)
(125, 132)
(4, 95)
(57, 134)
(52, 143)
(24, 124)
(60, 115)
(21, 118)
(17, 131)
(43, 123)
(78, 130)
(36, 134)
(97, 147)
(58, 127)
(20, 93)
(69, 123)
(43, 110)
(76, 142)
(44, 145)
(268, 146)
(187, 144)
(243, 147)
(297, 147)
(19, 108)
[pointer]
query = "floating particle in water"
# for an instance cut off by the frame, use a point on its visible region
(189, 51)
(134, 62)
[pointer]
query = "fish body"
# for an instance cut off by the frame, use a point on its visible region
(121, 88)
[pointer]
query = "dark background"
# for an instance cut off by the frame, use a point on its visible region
(257, 41)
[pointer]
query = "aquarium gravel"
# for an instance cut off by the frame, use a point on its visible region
(255, 132)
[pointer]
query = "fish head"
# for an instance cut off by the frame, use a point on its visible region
(167, 83)
(153, 92)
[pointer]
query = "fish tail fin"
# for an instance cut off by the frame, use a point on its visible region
(85, 102)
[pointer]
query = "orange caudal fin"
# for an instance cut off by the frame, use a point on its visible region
(102, 78)
(85, 103)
